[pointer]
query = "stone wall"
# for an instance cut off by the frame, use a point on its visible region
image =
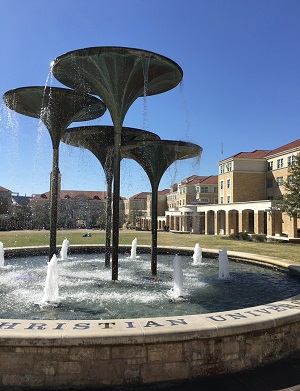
(94, 353)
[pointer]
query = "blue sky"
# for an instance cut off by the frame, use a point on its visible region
(240, 89)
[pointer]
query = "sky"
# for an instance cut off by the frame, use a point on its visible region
(240, 89)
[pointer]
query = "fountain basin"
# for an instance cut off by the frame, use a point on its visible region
(99, 353)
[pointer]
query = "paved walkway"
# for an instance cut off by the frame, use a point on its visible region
(281, 376)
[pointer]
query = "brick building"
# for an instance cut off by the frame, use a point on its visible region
(250, 185)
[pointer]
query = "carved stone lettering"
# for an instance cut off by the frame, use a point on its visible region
(37, 326)
(252, 313)
(107, 325)
(81, 326)
(130, 325)
(176, 322)
(237, 315)
(218, 318)
(59, 326)
(8, 325)
(151, 323)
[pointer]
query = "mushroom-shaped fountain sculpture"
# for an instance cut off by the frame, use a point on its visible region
(118, 75)
(100, 141)
(57, 108)
(155, 157)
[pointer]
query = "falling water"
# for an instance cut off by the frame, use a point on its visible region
(133, 249)
(1, 255)
(64, 249)
(51, 285)
(178, 277)
(187, 121)
(223, 264)
(145, 64)
(197, 256)
(42, 138)
(11, 152)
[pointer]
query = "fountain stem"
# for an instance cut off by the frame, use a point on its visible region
(116, 202)
(154, 230)
(108, 220)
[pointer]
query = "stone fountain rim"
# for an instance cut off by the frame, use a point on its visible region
(164, 349)
(161, 329)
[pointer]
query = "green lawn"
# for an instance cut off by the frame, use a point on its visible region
(41, 238)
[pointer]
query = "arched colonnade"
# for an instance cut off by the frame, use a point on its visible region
(257, 217)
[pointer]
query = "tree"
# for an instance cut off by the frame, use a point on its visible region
(290, 202)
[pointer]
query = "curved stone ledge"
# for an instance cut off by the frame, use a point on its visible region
(100, 353)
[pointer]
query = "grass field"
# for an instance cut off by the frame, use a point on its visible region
(41, 238)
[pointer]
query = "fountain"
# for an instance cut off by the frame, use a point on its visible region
(223, 264)
(1, 255)
(118, 75)
(101, 350)
(57, 108)
(64, 249)
(153, 154)
(155, 157)
(197, 256)
(51, 284)
(100, 141)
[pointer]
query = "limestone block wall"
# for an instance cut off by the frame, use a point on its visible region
(94, 353)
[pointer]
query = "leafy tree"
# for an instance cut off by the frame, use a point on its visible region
(290, 202)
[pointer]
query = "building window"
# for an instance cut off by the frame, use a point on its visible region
(279, 163)
(229, 166)
(228, 200)
(215, 201)
(215, 189)
(291, 160)
(204, 200)
(270, 166)
(228, 183)
(290, 179)
(280, 181)
(222, 168)
(221, 185)
(222, 200)
(204, 189)
(269, 183)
